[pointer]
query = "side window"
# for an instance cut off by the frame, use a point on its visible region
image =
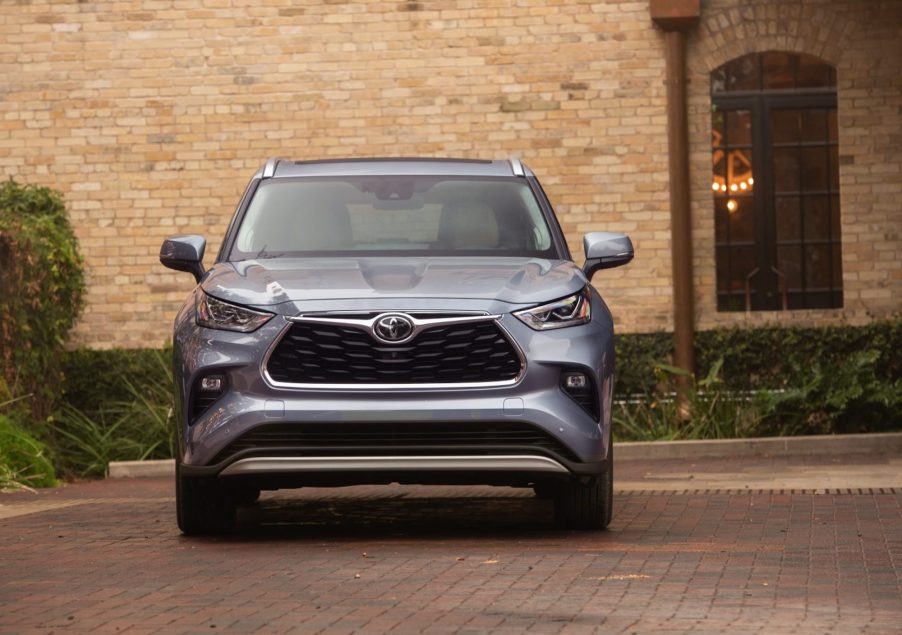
(776, 183)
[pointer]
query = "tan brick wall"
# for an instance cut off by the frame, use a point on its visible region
(151, 116)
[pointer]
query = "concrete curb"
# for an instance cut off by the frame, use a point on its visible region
(141, 469)
(840, 444)
(832, 444)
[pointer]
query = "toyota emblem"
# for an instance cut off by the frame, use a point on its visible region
(393, 327)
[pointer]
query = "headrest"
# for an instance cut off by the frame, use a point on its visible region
(468, 225)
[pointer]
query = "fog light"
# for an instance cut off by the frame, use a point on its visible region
(575, 380)
(211, 384)
(581, 389)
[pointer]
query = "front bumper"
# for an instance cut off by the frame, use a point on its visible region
(536, 400)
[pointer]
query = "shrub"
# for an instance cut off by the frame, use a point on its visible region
(95, 378)
(764, 381)
(768, 357)
(830, 398)
(710, 412)
(24, 460)
(128, 416)
(42, 286)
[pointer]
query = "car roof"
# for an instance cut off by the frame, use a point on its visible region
(284, 168)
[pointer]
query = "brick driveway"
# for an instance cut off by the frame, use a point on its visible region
(106, 557)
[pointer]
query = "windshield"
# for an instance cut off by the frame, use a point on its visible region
(392, 215)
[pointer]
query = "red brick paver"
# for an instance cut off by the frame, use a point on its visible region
(469, 560)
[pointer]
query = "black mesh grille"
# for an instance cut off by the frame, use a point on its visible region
(335, 354)
(363, 439)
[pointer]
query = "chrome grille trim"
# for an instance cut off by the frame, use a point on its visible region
(407, 387)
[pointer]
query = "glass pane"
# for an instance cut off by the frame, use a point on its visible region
(744, 74)
(789, 264)
(721, 221)
(741, 211)
(788, 218)
(817, 267)
(719, 80)
(834, 168)
(739, 127)
(743, 263)
(814, 125)
(739, 171)
(719, 180)
(813, 73)
(730, 302)
(814, 169)
(832, 129)
(777, 70)
(786, 126)
(786, 170)
(817, 218)
(723, 269)
(717, 127)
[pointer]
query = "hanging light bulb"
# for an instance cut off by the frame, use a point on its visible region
(751, 181)
(731, 205)
(743, 186)
(733, 187)
(715, 186)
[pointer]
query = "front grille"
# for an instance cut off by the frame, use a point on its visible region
(476, 352)
(377, 439)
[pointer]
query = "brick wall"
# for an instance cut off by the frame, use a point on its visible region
(151, 116)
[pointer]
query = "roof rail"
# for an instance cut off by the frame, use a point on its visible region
(269, 170)
(516, 166)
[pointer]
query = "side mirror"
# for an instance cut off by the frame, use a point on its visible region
(184, 253)
(605, 250)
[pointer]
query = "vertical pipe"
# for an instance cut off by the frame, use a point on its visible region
(680, 220)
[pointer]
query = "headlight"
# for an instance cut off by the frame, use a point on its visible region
(216, 314)
(569, 311)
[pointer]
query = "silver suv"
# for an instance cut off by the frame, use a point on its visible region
(393, 320)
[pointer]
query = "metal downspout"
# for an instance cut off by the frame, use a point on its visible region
(676, 17)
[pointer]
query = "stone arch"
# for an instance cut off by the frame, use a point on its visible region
(731, 32)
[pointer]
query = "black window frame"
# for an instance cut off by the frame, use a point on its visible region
(772, 293)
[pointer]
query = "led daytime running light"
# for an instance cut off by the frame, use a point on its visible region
(570, 311)
(216, 314)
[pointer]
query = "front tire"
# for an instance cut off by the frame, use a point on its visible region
(587, 505)
(203, 505)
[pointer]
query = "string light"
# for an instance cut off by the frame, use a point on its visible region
(731, 205)
(743, 186)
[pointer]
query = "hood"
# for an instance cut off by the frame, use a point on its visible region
(278, 280)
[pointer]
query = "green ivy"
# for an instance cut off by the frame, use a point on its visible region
(42, 289)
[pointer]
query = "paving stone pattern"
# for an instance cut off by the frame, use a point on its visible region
(447, 560)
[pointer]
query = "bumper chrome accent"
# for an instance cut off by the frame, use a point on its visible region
(490, 463)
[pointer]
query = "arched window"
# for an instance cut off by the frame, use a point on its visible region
(776, 183)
